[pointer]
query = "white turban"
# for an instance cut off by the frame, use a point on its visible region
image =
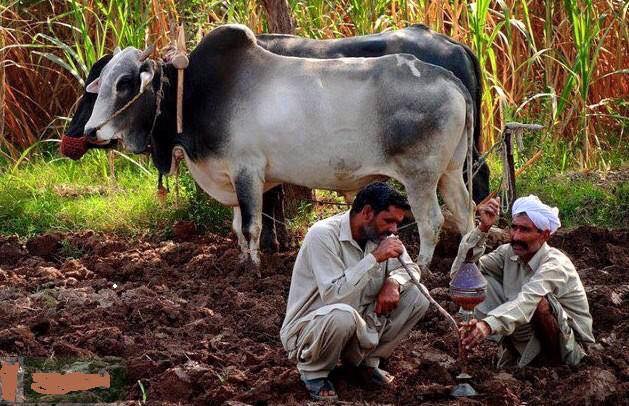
(543, 216)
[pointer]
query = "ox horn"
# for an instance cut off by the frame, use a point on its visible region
(147, 52)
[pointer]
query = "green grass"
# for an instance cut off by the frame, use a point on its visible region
(309, 213)
(47, 193)
(59, 194)
(582, 202)
(583, 198)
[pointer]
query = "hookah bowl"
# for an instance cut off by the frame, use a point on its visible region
(467, 289)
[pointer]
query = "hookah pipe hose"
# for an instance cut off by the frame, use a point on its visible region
(423, 289)
(441, 310)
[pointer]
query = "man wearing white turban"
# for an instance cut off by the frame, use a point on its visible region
(535, 300)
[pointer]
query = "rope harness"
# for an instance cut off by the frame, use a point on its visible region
(159, 94)
(122, 109)
(75, 147)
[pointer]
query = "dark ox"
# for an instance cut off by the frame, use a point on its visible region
(254, 119)
(418, 40)
(85, 107)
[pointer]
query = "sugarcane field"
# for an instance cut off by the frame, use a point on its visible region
(286, 202)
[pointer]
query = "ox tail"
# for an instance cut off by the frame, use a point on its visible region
(477, 96)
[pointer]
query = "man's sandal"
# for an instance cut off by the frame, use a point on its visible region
(376, 376)
(318, 385)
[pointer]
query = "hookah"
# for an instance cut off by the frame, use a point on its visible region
(467, 289)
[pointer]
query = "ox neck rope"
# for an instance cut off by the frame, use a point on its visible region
(159, 95)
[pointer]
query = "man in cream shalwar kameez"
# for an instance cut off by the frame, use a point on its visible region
(535, 299)
(334, 308)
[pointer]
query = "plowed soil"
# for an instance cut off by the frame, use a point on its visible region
(194, 326)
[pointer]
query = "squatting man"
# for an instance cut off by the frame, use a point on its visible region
(350, 298)
(535, 302)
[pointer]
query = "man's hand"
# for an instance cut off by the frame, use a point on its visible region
(390, 247)
(488, 213)
(473, 332)
(388, 297)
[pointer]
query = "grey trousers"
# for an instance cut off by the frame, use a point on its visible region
(523, 339)
(329, 337)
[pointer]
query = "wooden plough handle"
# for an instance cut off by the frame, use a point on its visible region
(518, 172)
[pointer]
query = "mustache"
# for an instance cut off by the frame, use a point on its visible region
(521, 244)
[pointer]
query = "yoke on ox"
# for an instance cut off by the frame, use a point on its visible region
(254, 119)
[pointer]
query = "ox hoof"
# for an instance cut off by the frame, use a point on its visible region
(250, 259)
(255, 259)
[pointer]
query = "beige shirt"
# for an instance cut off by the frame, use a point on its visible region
(524, 284)
(332, 271)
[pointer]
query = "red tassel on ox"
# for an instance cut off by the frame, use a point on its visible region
(73, 147)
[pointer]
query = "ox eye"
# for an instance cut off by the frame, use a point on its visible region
(124, 84)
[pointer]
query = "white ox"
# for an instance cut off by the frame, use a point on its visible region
(254, 119)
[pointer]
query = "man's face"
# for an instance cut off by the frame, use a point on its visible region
(526, 239)
(378, 226)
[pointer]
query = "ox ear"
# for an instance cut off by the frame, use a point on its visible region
(147, 71)
(93, 86)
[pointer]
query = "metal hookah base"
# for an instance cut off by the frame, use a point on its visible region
(463, 389)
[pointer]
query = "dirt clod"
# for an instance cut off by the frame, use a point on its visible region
(45, 245)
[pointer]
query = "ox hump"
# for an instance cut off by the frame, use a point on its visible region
(229, 37)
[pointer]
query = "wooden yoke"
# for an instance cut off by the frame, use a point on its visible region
(180, 62)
